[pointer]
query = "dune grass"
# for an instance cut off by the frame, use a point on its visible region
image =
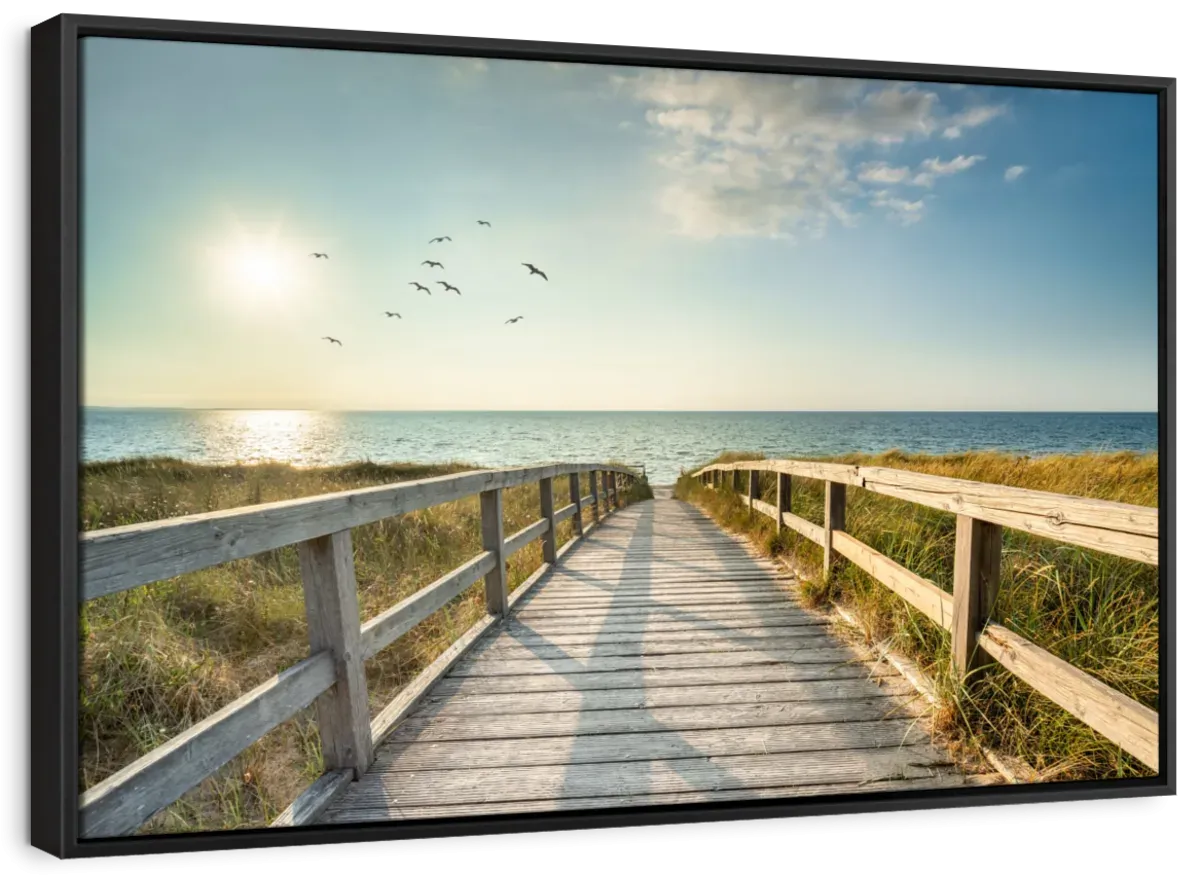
(1094, 610)
(158, 658)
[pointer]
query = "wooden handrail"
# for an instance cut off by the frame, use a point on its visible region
(983, 509)
(333, 676)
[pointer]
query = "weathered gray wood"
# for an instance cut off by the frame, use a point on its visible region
(397, 810)
(781, 645)
(921, 593)
(1116, 528)
(632, 723)
(605, 492)
(576, 501)
(578, 704)
(699, 610)
(594, 496)
(546, 496)
(783, 499)
(654, 741)
(977, 548)
(1121, 719)
(524, 536)
(753, 488)
(587, 501)
(129, 797)
(313, 801)
(407, 700)
(835, 518)
(661, 622)
(331, 607)
(599, 636)
(495, 583)
(674, 775)
(118, 558)
(495, 668)
(385, 628)
(567, 511)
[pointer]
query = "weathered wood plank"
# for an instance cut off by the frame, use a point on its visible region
(398, 709)
(887, 684)
(313, 801)
(567, 511)
(664, 742)
(835, 519)
(398, 811)
(783, 499)
(118, 558)
(977, 548)
(488, 785)
(129, 797)
(804, 527)
(387, 627)
(546, 499)
(1115, 528)
(524, 536)
(659, 623)
(565, 666)
(507, 650)
(921, 593)
(576, 502)
(491, 518)
(839, 472)
(331, 607)
(654, 678)
(1121, 719)
(695, 637)
(703, 610)
(527, 726)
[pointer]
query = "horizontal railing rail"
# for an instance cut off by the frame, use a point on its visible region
(982, 511)
(333, 676)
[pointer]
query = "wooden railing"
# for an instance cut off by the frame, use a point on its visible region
(983, 511)
(333, 675)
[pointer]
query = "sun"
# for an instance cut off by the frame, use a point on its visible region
(257, 266)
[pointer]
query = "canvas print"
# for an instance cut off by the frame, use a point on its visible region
(469, 437)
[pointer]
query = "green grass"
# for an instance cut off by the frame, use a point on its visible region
(156, 659)
(1098, 612)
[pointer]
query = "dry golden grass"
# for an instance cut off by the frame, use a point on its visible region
(1096, 611)
(156, 659)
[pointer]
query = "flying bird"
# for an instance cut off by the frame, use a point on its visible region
(319, 255)
(392, 314)
(533, 269)
(419, 286)
(483, 222)
(331, 340)
(446, 286)
(439, 240)
(513, 320)
(432, 264)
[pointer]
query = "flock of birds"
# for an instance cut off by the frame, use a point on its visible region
(447, 287)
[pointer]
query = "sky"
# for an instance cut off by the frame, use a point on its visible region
(712, 240)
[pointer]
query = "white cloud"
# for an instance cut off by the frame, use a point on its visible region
(881, 172)
(971, 117)
(1014, 172)
(903, 211)
(933, 168)
(953, 132)
(766, 155)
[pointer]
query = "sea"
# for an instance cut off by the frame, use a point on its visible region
(664, 442)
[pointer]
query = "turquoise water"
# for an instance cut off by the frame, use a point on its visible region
(664, 442)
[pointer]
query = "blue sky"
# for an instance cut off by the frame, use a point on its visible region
(712, 240)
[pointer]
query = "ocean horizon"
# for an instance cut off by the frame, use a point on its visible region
(664, 442)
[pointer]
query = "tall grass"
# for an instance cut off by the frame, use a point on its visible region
(1096, 611)
(158, 658)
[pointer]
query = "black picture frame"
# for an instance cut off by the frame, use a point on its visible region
(55, 429)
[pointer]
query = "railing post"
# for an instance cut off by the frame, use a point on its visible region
(977, 547)
(576, 496)
(616, 491)
(753, 488)
(331, 606)
(495, 583)
(549, 549)
(835, 518)
(604, 490)
(783, 499)
(595, 497)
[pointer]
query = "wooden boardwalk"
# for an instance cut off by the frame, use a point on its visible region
(660, 663)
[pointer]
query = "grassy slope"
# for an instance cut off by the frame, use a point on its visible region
(158, 658)
(1098, 612)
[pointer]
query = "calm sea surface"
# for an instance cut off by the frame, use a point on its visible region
(665, 442)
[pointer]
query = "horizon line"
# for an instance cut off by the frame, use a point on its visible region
(629, 410)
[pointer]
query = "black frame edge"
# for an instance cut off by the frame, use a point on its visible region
(54, 321)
